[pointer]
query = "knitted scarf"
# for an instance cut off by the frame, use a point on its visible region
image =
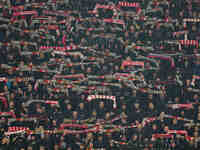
(113, 98)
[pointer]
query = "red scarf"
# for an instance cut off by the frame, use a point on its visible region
(59, 48)
(128, 4)
(132, 63)
(116, 21)
(189, 42)
(113, 98)
(22, 13)
(165, 135)
(8, 114)
(178, 106)
(4, 101)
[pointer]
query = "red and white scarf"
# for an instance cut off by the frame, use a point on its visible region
(25, 13)
(113, 98)
(191, 20)
(59, 48)
(132, 63)
(111, 7)
(8, 114)
(179, 106)
(51, 102)
(3, 79)
(177, 132)
(116, 21)
(189, 42)
(70, 76)
(163, 135)
(128, 4)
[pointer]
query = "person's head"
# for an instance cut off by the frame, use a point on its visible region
(89, 136)
(196, 97)
(194, 28)
(94, 113)
(69, 148)
(10, 71)
(177, 99)
(101, 104)
(151, 106)
(162, 115)
(196, 133)
(139, 126)
(75, 114)
(78, 136)
(188, 82)
(132, 28)
(167, 12)
(54, 122)
(42, 148)
(128, 58)
(147, 65)
(29, 87)
(56, 147)
(11, 104)
(137, 105)
(182, 113)
(82, 97)
(174, 122)
(196, 128)
(198, 116)
(134, 137)
(150, 32)
(15, 83)
(81, 105)
(134, 92)
(82, 146)
(89, 70)
(69, 106)
(123, 116)
(124, 106)
(41, 55)
(195, 51)
(100, 138)
(72, 71)
(116, 67)
(19, 90)
(126, 34)
(29, 148)
(154, 127)
(166, 129)
(158, 26)
(5, 88)
(33, 137)
(150, 96)
(107, 116)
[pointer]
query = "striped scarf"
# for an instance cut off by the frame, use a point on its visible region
(113, 98)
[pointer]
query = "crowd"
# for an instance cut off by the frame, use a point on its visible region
(99, 74)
